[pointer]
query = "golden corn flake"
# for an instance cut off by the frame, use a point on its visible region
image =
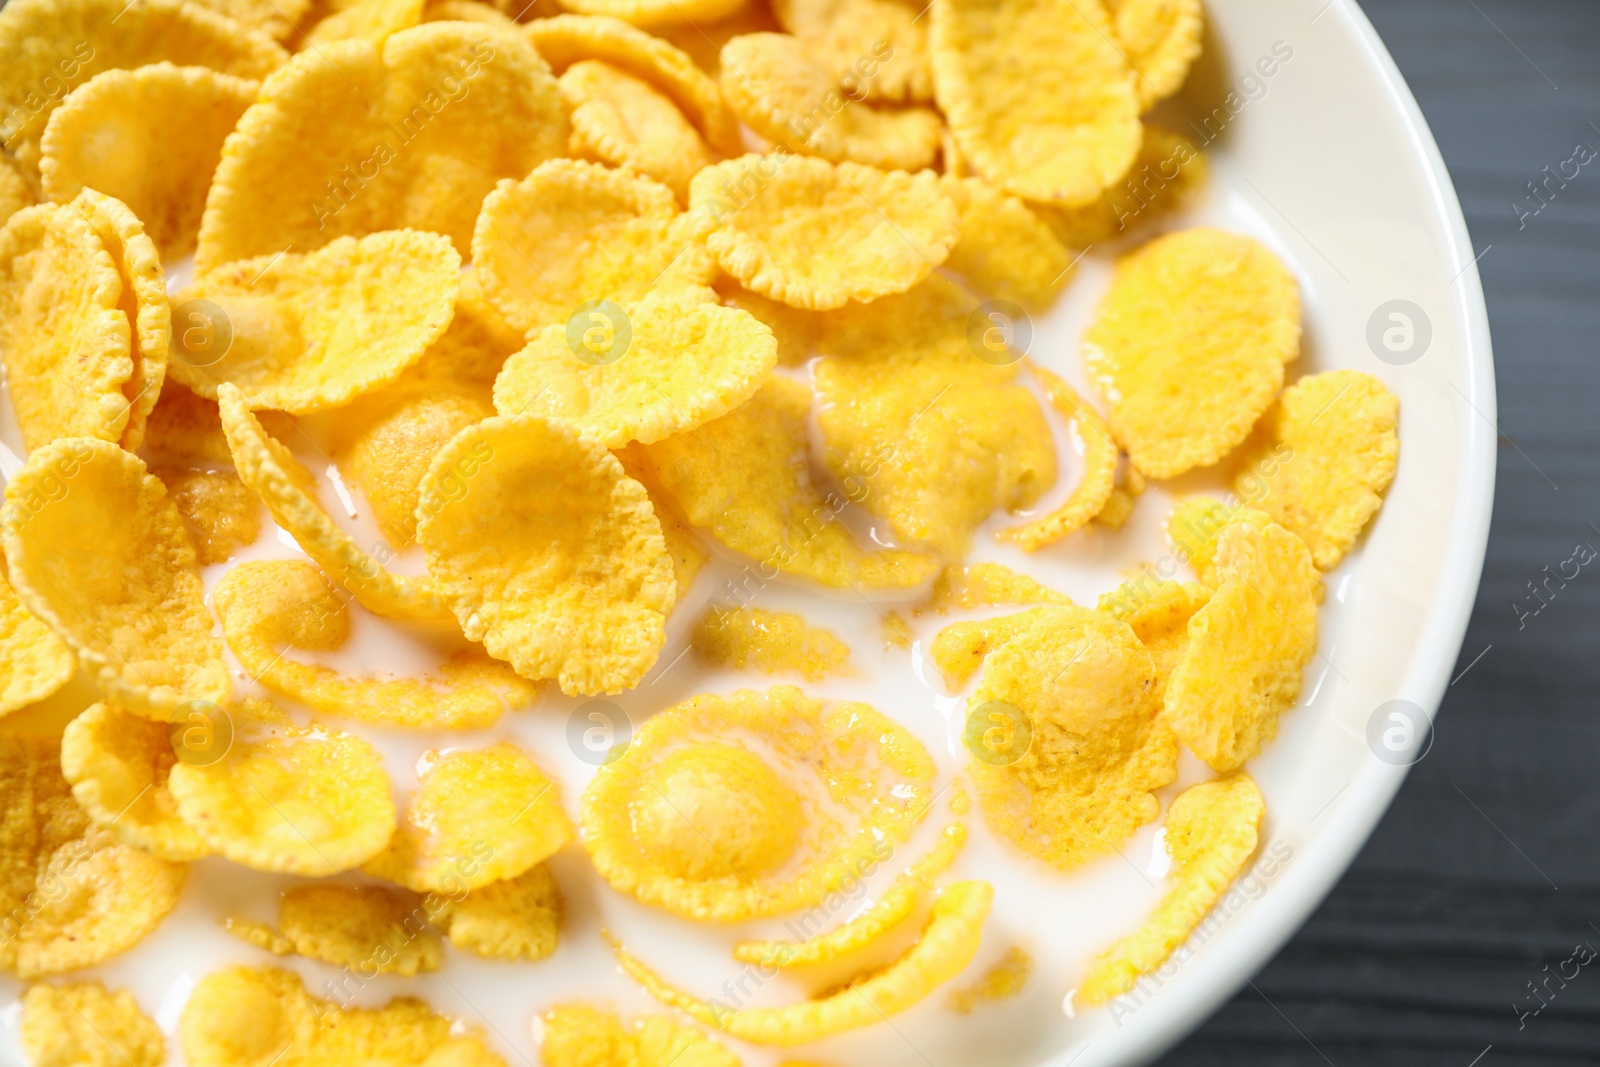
(1159, 613)
(1168, 172)
(1041, 102)
(796, 330)
(551, 556)
(964, 586)
(745, 477)
(81, 1024)
(294, 800)
(1005, 250)
(386, 441)
(314, 331)
(1248, 647)
(185, 429)
(53, 46)
(34, 662)
(817, 235)
(947, 945)
(731, 808)
(221, 514)
(1127, 486)
(770, 641)
(98, 552)
(71, 894)
(352, 138)
(514, 919)
(1188, 346)
(143, 301)
(277, 19)
(686, 362)
(1005, 979)
(1067, 743)
(118, 765)
(703, 41)
(253, 1016)
(1212, 831)
(935, 440)
(1160, 38)
(286, 488)
(270, 608)
(688, 552)
(872, 49)
(623, 120)
(1328, 451)
(573, 233)
(1197, 522)
(657, 14)
(367, 928)
(372, 21)
(577, 1035)
(473, 348)
(888, 911)
(65, 339)
(108, 130)
(478, 817)
(14, 192)
(567, 39)
(959, 649)
(787, 96)
(1090, 496)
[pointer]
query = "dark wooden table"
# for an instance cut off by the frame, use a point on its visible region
(1468, 931)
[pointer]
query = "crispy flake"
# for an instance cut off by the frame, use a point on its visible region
(1093, 491)
(368, 929)
(1005, 250)
(513, 919)
(221, 515)
(1161, 38)
(877, 49)
(964, 586)
(34, 662)
(770, 641)
(623, 120)
(81, 1024)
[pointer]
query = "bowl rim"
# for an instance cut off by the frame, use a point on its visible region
(1277, 916)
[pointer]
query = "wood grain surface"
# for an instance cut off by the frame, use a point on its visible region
(1466, 932)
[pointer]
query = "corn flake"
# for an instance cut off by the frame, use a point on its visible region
(367, 928)
(770, 641)
(891, 909)
(1159, 613)
(513, 919)
(222, 516)
(1039, 99)
(567, 39)
(964, 586)
(286, 488)
(65, 339)
(1212, 831)
(72, 895)
(269, 608)
(98, 552)
(314, 331)
(478, 817)
(745, 477)
(411, 134)
(783, 93)
(622, 120)
(1093, 491)
(688, 552)
(598, 234)
(277, 19)
(872, 49)
(34, 662)
(1005, 979)
(67, 42)
(109, 129)
(372, 21)
(1327, 452)
(81, 1024)
(1169, 171)
(1197, 522)
(947, 945)
(693, 819)
(687, 362)
(958, 650)
(1248, 647)
(883, 230)
(295, 800)
(118, 764)
(244, 1017)
(933, 439)
(1160, 38)
(1005, 250)
(551, 555)
(578, 1035)
(1077, 688)
(1188, 346)
(657, 14)
(185, 430)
